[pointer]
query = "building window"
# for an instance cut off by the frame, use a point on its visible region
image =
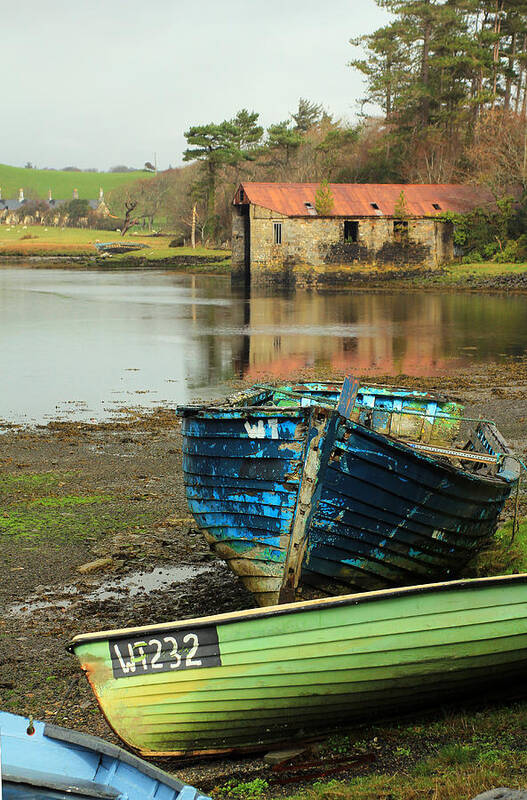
(310, 209)
(400, 229)
(436, 206)
(242, 196)
(277, 232)
(351, 230)
(374, 206)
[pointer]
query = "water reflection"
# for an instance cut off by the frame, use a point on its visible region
(376, 333)
(81, 343)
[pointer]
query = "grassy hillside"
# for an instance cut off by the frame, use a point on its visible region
(61, 183)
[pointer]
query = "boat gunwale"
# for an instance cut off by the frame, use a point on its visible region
(98, 746)
(298, 607)
(210, 412)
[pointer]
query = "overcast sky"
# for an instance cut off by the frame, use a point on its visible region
(94, 83)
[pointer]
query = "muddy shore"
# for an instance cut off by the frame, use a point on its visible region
(71, 493)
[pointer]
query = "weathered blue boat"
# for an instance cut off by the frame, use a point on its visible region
(44, 762)
(109, 248)
(294, 495)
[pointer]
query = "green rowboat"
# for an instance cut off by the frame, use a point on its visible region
(249, 679)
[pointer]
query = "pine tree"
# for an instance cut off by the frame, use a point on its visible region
(282, 138)
(307, 115)
(213, 145)
(248, 134)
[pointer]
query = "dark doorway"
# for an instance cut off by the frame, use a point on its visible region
(351, 230)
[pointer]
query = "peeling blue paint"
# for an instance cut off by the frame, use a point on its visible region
(382, 514)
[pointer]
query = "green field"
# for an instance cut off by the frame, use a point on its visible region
(62, 184)
(39, 240)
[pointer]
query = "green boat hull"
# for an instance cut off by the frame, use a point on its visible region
(251, 679)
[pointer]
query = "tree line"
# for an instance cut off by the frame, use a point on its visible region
(451, 79)
(311, 145)
(445, 101)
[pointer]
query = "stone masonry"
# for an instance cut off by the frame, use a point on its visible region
(314, 248)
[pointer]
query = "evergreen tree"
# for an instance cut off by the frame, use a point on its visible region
(214, 146)
(436, 67)
(307, 115)
(324, 200)
(401, 210)
(248, 134)
(282, 138)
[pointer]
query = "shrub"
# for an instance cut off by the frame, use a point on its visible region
(490, 249)
(508, 254)
(521, 252)
(324, 199)
(249, 790)
(474, 257)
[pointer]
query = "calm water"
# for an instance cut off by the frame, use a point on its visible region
(79, 345)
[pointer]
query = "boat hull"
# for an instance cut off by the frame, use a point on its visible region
(290, 672)
(356, 508)
(243, 475)
(389, 516)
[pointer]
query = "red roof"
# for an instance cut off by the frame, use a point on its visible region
(366, 199)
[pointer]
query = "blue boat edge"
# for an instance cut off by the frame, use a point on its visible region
(48, 746)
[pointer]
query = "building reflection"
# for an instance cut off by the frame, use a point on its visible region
(344, 332)
(280, 334)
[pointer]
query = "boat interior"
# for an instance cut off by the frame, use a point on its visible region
(432, 424)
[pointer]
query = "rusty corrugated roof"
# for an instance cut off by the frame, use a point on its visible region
(366, 199)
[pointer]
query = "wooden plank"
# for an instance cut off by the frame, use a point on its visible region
(348, 396)
(462, 455)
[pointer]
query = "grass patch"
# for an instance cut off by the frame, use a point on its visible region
(505, 555)
(63, 183)
(39, 240)
(30, 483)
(452, 757)
(70, 518)
(57, 520)
(450, 785)
(487, 269)
(248, 790)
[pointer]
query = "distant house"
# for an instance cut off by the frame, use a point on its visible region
(277, 234)
(99, 205)
(12, 211)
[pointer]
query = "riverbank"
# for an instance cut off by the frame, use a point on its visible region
(487, 276)
(74, 493)
(74, 247)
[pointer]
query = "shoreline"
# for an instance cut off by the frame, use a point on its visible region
(454, 278)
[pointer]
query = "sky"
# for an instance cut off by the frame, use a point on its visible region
(96, 83)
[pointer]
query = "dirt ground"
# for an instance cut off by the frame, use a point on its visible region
(72, 493)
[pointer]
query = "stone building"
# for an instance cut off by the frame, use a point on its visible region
(277, 234)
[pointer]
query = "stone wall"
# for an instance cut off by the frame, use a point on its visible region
(316, 245)
(238, 243)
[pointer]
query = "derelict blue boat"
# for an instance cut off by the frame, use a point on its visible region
(107, 248)
(55, 763)
(292, 494)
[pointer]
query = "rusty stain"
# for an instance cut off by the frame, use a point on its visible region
(307, 770)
